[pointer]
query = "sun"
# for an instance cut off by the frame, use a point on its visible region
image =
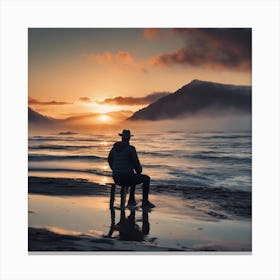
(104, 118)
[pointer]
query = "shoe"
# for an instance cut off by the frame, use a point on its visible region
(148, 204)
(132, 203)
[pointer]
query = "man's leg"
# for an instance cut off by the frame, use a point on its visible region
(141, 178)
(131, 200)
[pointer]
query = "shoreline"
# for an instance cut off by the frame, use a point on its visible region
(73, 215)
(232, 202)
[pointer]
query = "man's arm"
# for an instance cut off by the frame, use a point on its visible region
(135, 160)
(111, 159)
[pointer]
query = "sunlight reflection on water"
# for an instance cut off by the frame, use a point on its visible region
(175, 223)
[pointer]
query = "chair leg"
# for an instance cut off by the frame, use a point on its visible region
(132, 193)
(123, 196)
(112, 195)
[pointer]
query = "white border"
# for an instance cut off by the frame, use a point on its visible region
(262, 16)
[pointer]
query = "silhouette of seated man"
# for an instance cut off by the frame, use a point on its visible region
(127, 227)
(126, 167)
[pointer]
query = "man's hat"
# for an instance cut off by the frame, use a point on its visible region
(125, 134)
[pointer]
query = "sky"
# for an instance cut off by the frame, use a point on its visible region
(114, 72)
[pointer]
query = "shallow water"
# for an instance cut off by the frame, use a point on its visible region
(175, 223)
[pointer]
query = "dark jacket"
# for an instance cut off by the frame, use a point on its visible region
(123, 159)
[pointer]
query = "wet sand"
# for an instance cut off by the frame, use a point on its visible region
(74, 215)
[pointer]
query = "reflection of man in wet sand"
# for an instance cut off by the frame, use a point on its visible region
(127, 169)
(127, 227)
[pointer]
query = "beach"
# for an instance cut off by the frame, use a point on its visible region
(74, 215)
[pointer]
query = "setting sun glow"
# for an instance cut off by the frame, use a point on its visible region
(104, 118)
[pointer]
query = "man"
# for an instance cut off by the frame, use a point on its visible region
(127, 169)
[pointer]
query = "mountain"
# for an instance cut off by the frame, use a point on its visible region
(36, 118)
(198, 97)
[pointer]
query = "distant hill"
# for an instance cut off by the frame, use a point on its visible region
(198, 97)
(36, 118)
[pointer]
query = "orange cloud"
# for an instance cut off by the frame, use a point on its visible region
(33, 101)
(131, 101)
(119, 58)
(85, 99)
(122, 59)
(150, 33)
(156, 33)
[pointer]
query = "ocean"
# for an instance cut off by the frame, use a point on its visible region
(180, 159)
(200, 182)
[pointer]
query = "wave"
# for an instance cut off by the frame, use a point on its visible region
(208, 156)
(89, 171)
(59, 147)
(180, 183)
(155, 154)
(45, 138)
(156, 166)
(57, 138)
(222, 158)
(67, 133)
(40, 157)
(183, 180)
(224, 136)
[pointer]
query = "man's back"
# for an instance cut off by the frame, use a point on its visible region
(123, 159)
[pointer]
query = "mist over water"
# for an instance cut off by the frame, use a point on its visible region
(202, 123)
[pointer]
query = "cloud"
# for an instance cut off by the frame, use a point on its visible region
(210, 48)
(85, 99)
(119, 58)
(122, 59)
(119, 100)
(214, 48)
(33, 101)
(152, 34)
